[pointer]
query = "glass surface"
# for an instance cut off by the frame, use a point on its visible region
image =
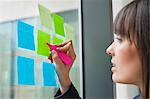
(9, 51)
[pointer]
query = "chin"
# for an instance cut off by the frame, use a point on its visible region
(118, 80)
(114, 80)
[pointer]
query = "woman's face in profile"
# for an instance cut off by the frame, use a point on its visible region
(126, 66)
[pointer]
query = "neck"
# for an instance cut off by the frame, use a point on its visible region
(140, 85)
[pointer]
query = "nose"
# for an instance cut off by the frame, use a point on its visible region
(110, 50)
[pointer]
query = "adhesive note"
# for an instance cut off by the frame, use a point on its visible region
(59, 24)
(49, 74)
(43, 38)
(45, 17)
(70, 33)
(57, 40)
(25, 36)
(25, 71)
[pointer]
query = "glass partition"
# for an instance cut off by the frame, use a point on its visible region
(18, 62)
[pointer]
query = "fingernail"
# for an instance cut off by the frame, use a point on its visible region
(57, 48)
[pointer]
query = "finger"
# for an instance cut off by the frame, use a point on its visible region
(72, 53)
(61, 45)
(65, 48)
(69, 49)
(57, 60)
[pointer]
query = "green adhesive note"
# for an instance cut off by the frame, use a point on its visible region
(59, 24)
(45, 17)
(43, 38)
(57, 40)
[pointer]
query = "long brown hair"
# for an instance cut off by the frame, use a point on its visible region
(133, 23)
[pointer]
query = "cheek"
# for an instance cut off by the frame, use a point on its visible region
(126, 56)
(128, 65)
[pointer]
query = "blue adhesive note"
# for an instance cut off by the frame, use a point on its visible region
(25, 71)
(25, 36)
(49, 76)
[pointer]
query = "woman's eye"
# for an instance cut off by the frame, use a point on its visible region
(118, 40)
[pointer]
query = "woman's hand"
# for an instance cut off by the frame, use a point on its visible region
(61, 69)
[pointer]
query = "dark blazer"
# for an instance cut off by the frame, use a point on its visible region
(138, 97)
(70, 94)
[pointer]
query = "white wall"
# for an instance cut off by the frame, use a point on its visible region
(118, 4)
(14, 9)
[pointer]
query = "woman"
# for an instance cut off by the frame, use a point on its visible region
(129, 51)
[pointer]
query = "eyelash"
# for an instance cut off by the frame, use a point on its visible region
(119, 39)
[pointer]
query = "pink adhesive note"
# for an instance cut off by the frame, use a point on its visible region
(62, 55)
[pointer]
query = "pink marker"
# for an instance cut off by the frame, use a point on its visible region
(62, 55)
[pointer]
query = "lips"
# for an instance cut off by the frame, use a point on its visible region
(113, 69)
(113, 64)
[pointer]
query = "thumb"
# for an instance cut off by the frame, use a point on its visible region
(57, 60)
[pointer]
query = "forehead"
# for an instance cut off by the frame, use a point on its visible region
(125, 41)
(124, 24)
(116, 35)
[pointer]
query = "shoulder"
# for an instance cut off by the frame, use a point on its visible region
(138, 97)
